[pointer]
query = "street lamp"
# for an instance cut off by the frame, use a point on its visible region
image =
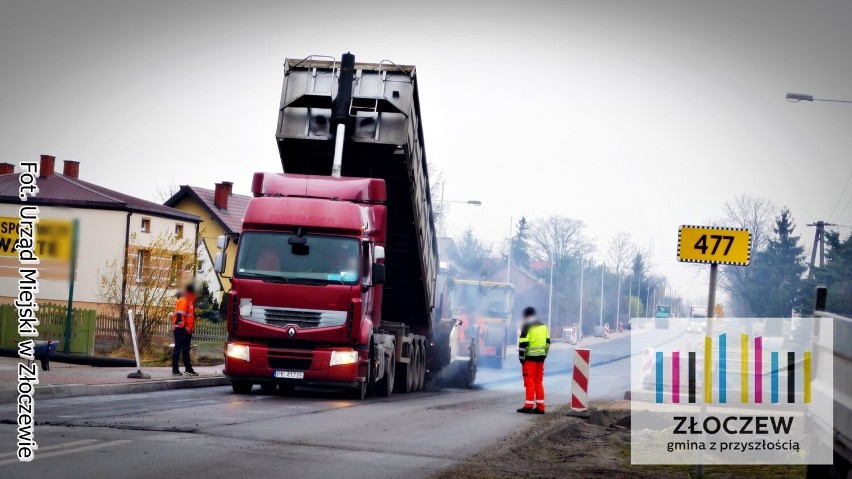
(468, 202)
(797, 97)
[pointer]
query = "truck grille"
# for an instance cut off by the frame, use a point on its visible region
(302, 319)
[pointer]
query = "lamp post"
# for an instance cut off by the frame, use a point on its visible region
(797, 97)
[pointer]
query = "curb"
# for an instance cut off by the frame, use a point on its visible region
(58, 391)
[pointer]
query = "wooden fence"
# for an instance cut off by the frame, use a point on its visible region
(113, 333)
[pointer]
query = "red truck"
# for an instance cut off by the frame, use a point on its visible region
(336, 281)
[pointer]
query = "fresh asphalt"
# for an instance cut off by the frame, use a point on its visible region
(213, 433)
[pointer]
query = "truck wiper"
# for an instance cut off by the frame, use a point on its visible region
(270, 278)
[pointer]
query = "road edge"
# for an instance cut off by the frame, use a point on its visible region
(59, 391)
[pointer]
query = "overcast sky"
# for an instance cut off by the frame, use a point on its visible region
(633, 116)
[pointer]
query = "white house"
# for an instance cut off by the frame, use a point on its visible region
(113, 226)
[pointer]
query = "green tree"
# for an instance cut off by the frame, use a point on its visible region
(206, 306)
(474, 253)
(520, 243)
(837, 273)
(776, 285)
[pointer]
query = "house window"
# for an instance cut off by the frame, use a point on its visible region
(141, 259)
(179, 230)
(146, 225)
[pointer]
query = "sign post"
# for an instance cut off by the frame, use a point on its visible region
(714, 246)
(69, 316)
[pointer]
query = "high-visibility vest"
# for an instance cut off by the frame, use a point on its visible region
(534, 343)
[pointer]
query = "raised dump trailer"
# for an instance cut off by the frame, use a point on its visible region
(336, 280)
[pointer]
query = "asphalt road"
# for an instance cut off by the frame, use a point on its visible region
(214, 433)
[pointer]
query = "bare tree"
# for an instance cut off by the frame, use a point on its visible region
(557, 238)
(166, 190)
(474, 253)
(752, 213)
(758, 216)
(439, 206)
(148, 282)
(621, 252)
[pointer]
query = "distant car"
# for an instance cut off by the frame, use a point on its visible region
(695, 327)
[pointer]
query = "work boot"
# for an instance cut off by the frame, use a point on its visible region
(191, 372)
(525, 410)
(176, 373)
(537, 411)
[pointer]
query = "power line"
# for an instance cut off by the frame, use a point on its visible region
(831, 215)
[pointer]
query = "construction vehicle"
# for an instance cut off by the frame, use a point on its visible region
(485, 310)
(336, 281)
(697, 319)
(662, 316)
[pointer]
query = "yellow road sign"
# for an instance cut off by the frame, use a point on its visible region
(706, 244)
(52, 238)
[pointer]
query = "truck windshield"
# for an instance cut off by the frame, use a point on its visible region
(321, 259)
(663, 311)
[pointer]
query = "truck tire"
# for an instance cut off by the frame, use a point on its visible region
(418, 369)
(384, 388)
(404, 380)
(360, 392)
(241, 387)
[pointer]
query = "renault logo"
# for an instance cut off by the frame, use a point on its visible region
(291, 332)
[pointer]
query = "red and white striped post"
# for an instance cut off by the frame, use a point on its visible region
(580, 382)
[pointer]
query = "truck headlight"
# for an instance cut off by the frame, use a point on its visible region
(237, 351)
(339, 358)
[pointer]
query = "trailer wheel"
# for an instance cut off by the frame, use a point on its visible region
(404, 380)
(415, 357)
(241, 387)
(421, 376)
(384, 388)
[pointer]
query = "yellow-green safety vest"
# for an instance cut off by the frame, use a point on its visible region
(534, 343)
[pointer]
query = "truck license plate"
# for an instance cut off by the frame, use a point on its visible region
(290, 374)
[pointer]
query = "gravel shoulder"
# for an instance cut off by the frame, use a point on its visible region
(560, 446)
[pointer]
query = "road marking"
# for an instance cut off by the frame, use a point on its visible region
(40, 455)
(55, 446)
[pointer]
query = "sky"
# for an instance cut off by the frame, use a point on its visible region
(632, 116)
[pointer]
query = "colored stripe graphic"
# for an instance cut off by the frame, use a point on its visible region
(744, 368)
(723, 367)
(659, 377)
(791, 377)
(676, 377)
(708, 369)
(692, 376)
(807, 378)
(774, 366)
(758, 370)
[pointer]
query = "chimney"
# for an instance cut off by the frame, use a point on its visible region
(229, 186)
(71, 168)
(46, 167)
(220, 195)
(7, 168)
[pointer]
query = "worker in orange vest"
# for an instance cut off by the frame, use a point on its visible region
(533, 346)
(184, 322)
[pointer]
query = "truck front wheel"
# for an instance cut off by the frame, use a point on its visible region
(241, 387)
(360, 392)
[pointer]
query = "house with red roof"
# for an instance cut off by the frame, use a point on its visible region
(115, 230)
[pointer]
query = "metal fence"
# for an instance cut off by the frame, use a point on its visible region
(113, 333)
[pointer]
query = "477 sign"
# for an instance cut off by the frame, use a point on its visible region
(705, 244)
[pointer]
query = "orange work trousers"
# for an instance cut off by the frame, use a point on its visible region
(534, 384)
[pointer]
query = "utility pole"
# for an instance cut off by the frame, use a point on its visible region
(582, 268)
(630, 299)
(550, 298)
(603, 270)
(509, 254)
(819, 239)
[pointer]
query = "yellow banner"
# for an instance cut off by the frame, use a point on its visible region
(52, 240)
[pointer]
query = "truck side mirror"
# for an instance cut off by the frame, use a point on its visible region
(219, 262)
(222, 242)
(378, 273)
